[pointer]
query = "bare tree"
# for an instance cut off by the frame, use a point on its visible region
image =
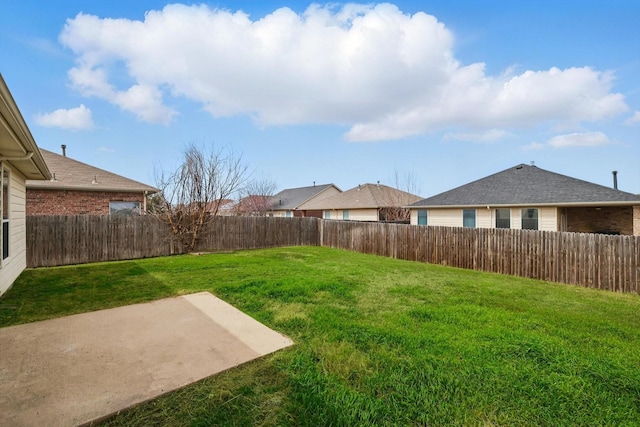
(406, 182)
(155, 204)
(257, 197)
(408, 189)
(191, 196)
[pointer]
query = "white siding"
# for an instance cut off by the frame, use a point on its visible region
(354, 214)
(17, 260)
(485, 218)
(359, 214)
(445, 217)
(516, 218)
(548, 219)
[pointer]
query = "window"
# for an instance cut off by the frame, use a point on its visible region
(422, 217)
(529, 219)
(503, 218)
(124, 208)
(327, 214)
(288, 214)
(345, 214)
(469, 218)
(5, 213)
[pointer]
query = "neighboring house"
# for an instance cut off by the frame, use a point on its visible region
(288, 202)
(367, 202)
(224, 207)
(20, 159)
(252, 205)
(76, 188)
(527, 197)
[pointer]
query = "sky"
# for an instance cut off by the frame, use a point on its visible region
(437, 93)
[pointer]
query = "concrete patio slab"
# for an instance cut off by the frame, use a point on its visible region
(76, 369)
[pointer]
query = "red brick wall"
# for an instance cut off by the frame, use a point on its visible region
(69, 202)
(605, 219)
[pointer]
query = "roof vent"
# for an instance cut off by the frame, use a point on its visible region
(95, 180)
(615, 179)
(64, 150)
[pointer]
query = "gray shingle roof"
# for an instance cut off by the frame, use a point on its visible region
(292, 198)
(528, 185)
(71, 174)
(366, 196)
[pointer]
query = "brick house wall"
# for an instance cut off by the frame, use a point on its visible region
(605, 219)
(72, 202)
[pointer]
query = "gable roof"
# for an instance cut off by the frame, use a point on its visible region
(529, 185)
(70, 174)
(292, 198)
(17, 145)
(366, 196)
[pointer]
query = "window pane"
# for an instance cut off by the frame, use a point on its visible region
(5, 213)
(503, 218)
(5, 239)
(124, 208)
(529, 219)
(5, 194)
(422, 217)
(469, 218)
(327, 214)
(345, 214)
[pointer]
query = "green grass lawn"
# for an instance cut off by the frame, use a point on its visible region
(378, 341)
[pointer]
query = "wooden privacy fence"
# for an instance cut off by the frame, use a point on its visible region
(64, 240)
(591, 260)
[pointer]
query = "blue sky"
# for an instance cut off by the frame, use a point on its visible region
(445, 92)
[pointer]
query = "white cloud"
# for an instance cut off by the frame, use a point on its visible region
(383, 73)
(533, 146)
(79, 118)
(490, 135)
(45, 46)
(145, 101)
(634, 119)
(586, 139)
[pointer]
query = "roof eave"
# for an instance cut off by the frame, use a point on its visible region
(35, 186)
(24, 138)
